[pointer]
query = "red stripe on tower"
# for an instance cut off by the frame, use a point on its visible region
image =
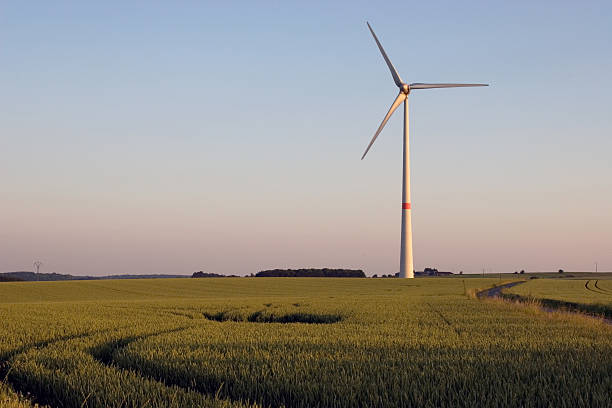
(406, 206)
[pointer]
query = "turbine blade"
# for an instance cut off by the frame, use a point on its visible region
(418, 85)
(398, 101)
(394, 74)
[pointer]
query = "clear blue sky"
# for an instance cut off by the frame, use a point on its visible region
(170, 137)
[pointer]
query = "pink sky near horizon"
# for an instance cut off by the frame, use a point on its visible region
(95, 234)
(183, 137)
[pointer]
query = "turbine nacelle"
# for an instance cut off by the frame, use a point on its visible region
(405, 89)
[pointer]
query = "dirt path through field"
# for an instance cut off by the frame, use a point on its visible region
(496, 291)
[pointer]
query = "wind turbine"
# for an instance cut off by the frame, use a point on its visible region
(406, 263)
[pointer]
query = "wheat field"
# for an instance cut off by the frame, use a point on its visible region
(293, 342)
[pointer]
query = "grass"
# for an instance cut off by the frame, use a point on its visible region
(294, 342)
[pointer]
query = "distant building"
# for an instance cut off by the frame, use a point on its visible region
(432, 272)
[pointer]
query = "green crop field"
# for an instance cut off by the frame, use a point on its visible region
(587, 295)
(294, 342)
(573, 290)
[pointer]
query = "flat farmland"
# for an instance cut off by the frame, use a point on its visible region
(294, 342)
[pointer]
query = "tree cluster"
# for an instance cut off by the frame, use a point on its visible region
(312, 273)
(202, 274)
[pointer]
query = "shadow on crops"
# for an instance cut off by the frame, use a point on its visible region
(262, 316)
(434, 376)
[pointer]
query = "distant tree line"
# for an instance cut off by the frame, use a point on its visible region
(33, 276)
(312, 273)
(4, 278)
(202, 274)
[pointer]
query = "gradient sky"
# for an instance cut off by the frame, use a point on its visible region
(172, 137)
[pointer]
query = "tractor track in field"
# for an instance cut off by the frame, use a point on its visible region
(6, 366)
(598, 291)
(105, 352)
(444, 318)
(605, 291)
(107, 355)
(44, 343)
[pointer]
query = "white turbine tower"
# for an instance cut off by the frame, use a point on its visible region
(406, 264)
